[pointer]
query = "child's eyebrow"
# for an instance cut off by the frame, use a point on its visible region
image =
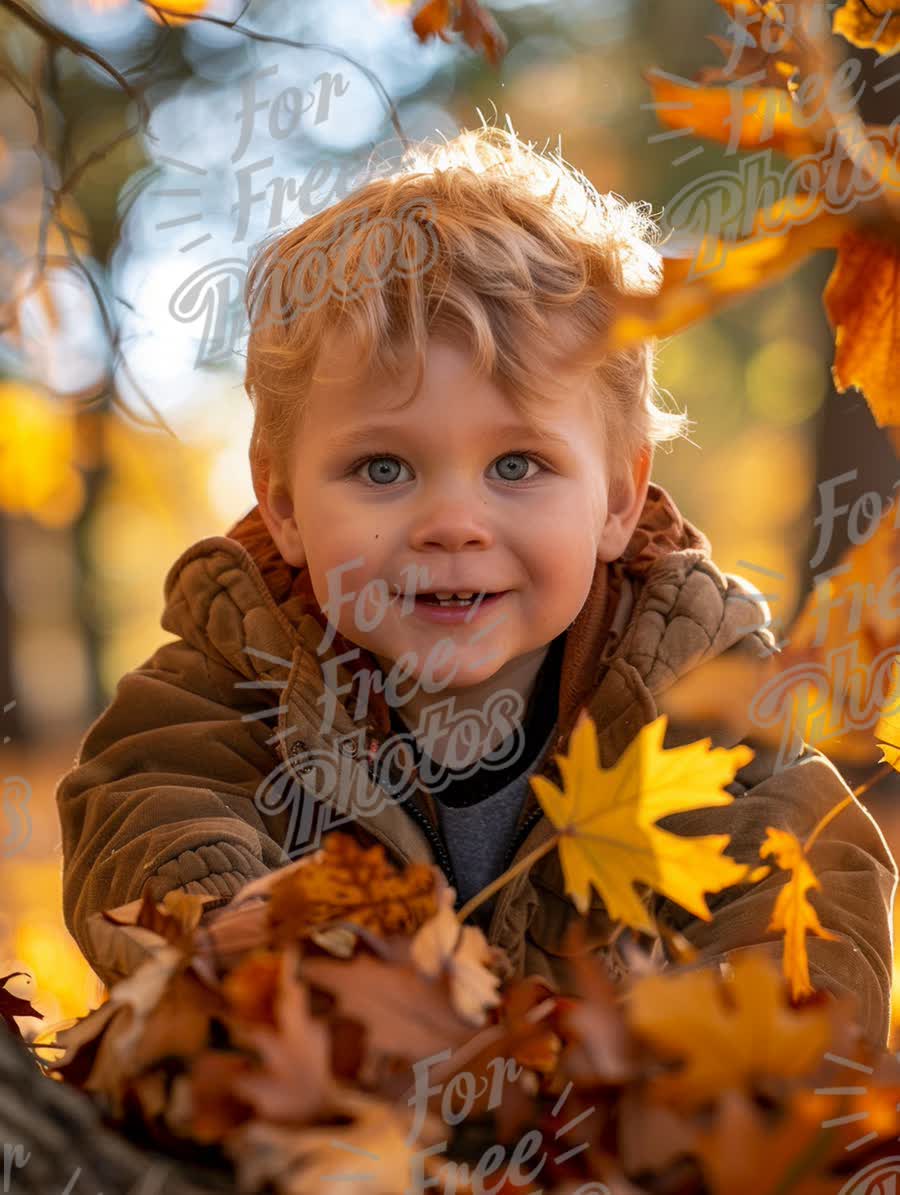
(366, 433)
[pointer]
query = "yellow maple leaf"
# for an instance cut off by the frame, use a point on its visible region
(887, 729)
(793, 913)
(605, 818)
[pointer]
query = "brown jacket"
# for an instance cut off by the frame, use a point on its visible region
(191, 777)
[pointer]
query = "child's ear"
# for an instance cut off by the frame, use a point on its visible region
(277, 509)
(625, 502)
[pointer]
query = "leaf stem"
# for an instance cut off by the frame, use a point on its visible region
(503, 879)
(876, 776)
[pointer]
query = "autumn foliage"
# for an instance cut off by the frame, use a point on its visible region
(287, 1028)
(286, 1058)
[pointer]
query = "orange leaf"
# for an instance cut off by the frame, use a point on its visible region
(861, 302)
(174, 12)
(295, 1083)
(726, 1031)
(793, 913)
(744, 117)
(864, 25)
(475, 23)
(346, 882)
(745, 1153)
(705, 275)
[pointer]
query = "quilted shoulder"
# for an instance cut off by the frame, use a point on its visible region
(217, 600)
(688, 612)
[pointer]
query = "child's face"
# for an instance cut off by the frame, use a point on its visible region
(465, 496)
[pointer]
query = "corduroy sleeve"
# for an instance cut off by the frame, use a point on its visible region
(163, 791)
(850, 858)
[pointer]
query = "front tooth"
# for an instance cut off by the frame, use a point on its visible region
(443, 596)
(468, 594)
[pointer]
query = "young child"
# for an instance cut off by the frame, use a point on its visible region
(321, 677)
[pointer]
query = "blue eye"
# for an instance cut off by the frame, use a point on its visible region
(381, 470)
(512, 456)
(382, 473)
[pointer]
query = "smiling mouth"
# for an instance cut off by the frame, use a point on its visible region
(431, 599)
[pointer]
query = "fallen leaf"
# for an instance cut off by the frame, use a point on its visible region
(174, 918)
(346, 882)
(597, 1049)
(294, 1083)
(14, 1006)
(747, 1152)
(726, 1032)
(216, 1108)
(443, 946)
(405, 1014)
(371, 1153)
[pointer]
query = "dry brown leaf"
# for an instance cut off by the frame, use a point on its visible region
(527, 1011)
(251, 987)
(461, 952)
(749, 1153)
(371, 1153)
(178, 1024)
(346, 882)
(597, 1047)
(438, 18)
(139, 993)
(295, 1084)
(14, 1006)
(651, 1136)
(232, 932)
(216, 1108)
(176, 916)
(405, 1014)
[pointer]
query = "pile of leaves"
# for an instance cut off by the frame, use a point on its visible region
(385, 1049)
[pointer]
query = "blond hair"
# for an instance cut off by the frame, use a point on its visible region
(489, 242)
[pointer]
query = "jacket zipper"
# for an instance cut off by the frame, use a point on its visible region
(437, 845)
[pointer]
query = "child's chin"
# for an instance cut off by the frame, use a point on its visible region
(440, 669)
